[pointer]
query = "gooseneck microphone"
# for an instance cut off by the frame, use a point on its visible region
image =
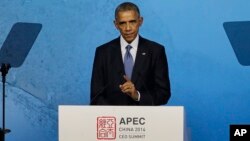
(102, 89)
(99, 93)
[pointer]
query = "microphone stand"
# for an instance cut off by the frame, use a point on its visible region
(4, 69)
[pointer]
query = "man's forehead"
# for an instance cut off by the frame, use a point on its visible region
(127, 15)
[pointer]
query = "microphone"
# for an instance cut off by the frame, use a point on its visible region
(101, 90)
(99, 93)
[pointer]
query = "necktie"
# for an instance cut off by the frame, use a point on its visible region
(128, 62)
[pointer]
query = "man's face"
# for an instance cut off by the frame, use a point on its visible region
(128, 23)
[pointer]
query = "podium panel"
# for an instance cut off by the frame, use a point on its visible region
(121, 123)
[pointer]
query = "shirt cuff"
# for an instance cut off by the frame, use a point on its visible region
(139, 96)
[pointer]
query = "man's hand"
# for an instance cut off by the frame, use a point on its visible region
(129, 88)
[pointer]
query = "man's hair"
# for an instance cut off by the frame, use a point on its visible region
(127, 6)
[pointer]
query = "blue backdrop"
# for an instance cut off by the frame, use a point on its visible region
(205, 75)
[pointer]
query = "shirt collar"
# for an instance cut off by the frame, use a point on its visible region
(134, 44)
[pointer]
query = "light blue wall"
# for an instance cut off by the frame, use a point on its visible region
(205, 75)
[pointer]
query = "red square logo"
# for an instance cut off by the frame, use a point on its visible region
(106, 128)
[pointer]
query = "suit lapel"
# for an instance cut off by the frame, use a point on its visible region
(141, 56)
(117, 57)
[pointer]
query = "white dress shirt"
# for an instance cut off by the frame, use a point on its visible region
(134, 46)
(133, 52)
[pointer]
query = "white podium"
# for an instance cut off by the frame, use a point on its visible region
(122, 123)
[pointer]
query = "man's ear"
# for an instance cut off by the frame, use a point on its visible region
(141, 20)
(115, 23)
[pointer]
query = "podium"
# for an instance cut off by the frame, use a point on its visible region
(122, 123)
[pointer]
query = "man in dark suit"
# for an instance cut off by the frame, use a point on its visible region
(130, 70)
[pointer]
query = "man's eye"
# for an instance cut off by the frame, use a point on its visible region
(121, 23)
(134, 21)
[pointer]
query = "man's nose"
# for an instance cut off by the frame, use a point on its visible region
(128, 26)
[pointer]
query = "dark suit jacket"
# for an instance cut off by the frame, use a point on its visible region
(150, 75)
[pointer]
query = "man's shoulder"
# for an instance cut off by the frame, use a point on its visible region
(109, 44)
(150, 43)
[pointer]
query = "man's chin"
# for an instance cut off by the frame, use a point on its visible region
(129, 39)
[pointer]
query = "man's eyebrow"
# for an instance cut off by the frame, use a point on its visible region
(121, 22)
(127, 21)
(133, 20)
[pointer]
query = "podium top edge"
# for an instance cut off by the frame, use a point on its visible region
(108, 106)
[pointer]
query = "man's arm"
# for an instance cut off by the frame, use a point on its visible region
(97, 80)
(159, 93)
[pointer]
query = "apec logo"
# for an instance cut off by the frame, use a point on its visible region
(239, 132)
(126, 127)
(106, 128)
